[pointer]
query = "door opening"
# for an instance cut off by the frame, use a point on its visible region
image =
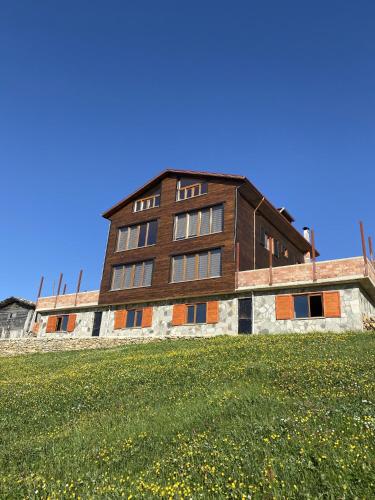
(97, 323)
(245, 315)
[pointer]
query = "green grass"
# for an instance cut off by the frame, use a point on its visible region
(265, 416)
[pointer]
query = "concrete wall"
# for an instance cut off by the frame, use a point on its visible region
(14, 320)
(367, 307)
(265, 312)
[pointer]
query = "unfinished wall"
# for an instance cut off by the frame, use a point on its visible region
(14, 320)
(265, 312)
(367, 306)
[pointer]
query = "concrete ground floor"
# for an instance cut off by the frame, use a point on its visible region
(296, 308)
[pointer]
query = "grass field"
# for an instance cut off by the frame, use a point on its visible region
(265, 416)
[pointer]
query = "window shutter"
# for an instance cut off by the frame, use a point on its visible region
(178, 268)
(213, 311)
(133, 237)
(128, 271)
(217, 219)
(180, 222)
(284, 307)
(147, 317)
(138, 275)
(193, 224)
(205, 222)
(147, 273)
(71, 322)
(117, 277)
(215, 263)
(203, 265)
(51, 324)
(122, 237)
(190, 267)
(332, 304)
(179, 314)
(120, 319)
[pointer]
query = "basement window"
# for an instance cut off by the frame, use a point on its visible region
(134, 318)
(308, 306)
(62, 323)
(197, 313)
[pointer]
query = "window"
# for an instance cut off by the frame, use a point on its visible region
(308, 306)
(284, 250)
(199, 222)
(152, 201)
(197, 313)
(264, 238)
(134, 318)
(188, 188)
(196, 266)
(134, 275)
(276, 248)
(138, 236)
(62, 323)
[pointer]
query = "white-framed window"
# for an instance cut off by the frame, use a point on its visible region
(264, 238)
(196, 266)
(136, 275)
(137, 236)
(199, 222)
(152, 201)
(189, 188)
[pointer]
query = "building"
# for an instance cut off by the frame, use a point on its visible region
(15, 317)
(197, 253)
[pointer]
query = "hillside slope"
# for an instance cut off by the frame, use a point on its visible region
(285, 415)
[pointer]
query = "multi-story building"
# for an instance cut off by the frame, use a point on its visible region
(198, 253)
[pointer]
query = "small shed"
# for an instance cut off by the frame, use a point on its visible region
(15, 317)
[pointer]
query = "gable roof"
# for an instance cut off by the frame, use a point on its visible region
(18, 300)
(249, 190)
(155, 180)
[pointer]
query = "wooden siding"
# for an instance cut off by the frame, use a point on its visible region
(219, 191)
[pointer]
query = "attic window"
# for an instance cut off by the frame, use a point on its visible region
(152, 201)
(189, 188)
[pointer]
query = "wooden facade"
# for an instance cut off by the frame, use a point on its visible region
(239, 199)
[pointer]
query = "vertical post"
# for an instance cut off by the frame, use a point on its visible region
(64, 289)
(53, 288)
(270, 244)
(371, 249)
(313, 254)
(363, 247)
(78, 286)
(58, 288)
(40, 287)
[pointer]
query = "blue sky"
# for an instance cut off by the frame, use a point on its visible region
(97, 97)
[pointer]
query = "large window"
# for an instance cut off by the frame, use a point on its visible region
(188, 188)
(199, 222)
(134, 275)
(152, 201)
(197, 313)
(196, 266)
(308, 306)
(134, 318)
(141, 235)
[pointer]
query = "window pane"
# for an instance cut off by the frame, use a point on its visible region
(181, 226)
(215, 263)
(316, 306)
(178, 268)
(203, 265)
(117, 277)
(190, 267)
(217, 219)
(130, 318)
(147, 276)
(205, 221)
(128, 276)
(133, 237)
(138, 318)
(190, 314)
(193, 224)
(142, 235)
(64, 323)
(122, 236)
(187, 182)
(301, 306)
(204, 188)
(138, 275)
(181, 195)
(152, 232)
(201, 313)
(157, 201)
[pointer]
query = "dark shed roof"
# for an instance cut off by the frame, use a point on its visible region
(22, 302)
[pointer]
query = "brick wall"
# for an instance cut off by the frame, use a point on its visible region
(63, 301)
(303, 272)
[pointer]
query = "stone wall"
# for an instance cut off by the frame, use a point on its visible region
(265, 312)
(161, 322)
(367, 307)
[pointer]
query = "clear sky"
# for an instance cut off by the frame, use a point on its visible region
(97, 97)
